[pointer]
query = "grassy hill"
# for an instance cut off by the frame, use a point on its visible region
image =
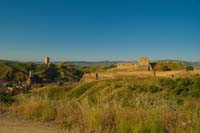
(118, 105)
(19, 71)
(171, 65)
(10, 70)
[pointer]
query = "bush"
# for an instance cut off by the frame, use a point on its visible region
(188, 86)
(195, 89)
(194, 92)
(180, 101)
(189, 68)
(167, 83)
(154, 89)
(182, 86)
(165, 68)
(141, 89)
(6, 98)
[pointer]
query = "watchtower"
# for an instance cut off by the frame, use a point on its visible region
(47, 60)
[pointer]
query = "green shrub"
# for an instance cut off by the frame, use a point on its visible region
(189, 68)
(182, 86)
(167, 83)
(194, 92)
(195, 89)
(4, 98)
(165, 68)
(154, 89)
(180, 101)
(141, 89)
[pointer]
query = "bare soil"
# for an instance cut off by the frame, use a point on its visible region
(12, 125)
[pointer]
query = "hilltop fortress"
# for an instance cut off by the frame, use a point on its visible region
(142, 65)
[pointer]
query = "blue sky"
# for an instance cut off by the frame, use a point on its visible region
(95, 30)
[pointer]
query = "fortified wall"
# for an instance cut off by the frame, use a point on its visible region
(113, 75)
(142, 68)
(142, 65)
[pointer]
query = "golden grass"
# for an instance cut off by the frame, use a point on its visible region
(110, 106)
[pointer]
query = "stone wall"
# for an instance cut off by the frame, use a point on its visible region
(111, 75)
(142, 65)
(127, 65)
(144, 61)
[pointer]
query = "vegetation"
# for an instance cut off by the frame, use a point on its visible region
(189, 68)
(18, 71)
(184, 87)
(97, 68)
(5, 98)
(168, 65)
(118, 105)
(165, 68)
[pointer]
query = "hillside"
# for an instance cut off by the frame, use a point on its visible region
(117, 105)
(19, 71)
(171, 65)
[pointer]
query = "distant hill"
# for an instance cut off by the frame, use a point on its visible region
(108, 63)
(88, 63)
(196, 65)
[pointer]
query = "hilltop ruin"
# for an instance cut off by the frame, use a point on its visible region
(142, 65)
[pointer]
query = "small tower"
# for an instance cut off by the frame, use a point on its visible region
(30, 74)
(47, 61)
(29, 80)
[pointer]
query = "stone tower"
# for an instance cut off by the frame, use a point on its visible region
(29, 80)
(47, 60)
(144, 64)
(144, 61)
(30, 74)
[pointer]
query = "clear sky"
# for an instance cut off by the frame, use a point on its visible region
(94, 30)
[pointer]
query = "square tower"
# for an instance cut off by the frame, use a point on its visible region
(47, 61)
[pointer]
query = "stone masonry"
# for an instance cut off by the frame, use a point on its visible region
(142, 65)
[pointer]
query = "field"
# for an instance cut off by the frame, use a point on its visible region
(114, 105)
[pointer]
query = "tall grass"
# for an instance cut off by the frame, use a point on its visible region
(121, 105)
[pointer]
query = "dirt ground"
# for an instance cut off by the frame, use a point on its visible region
(8, 125)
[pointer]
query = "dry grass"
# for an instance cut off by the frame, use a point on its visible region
(111, 106)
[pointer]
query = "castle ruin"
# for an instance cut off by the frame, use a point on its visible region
(142, 65)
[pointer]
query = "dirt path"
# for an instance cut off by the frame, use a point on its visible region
(8, 125)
